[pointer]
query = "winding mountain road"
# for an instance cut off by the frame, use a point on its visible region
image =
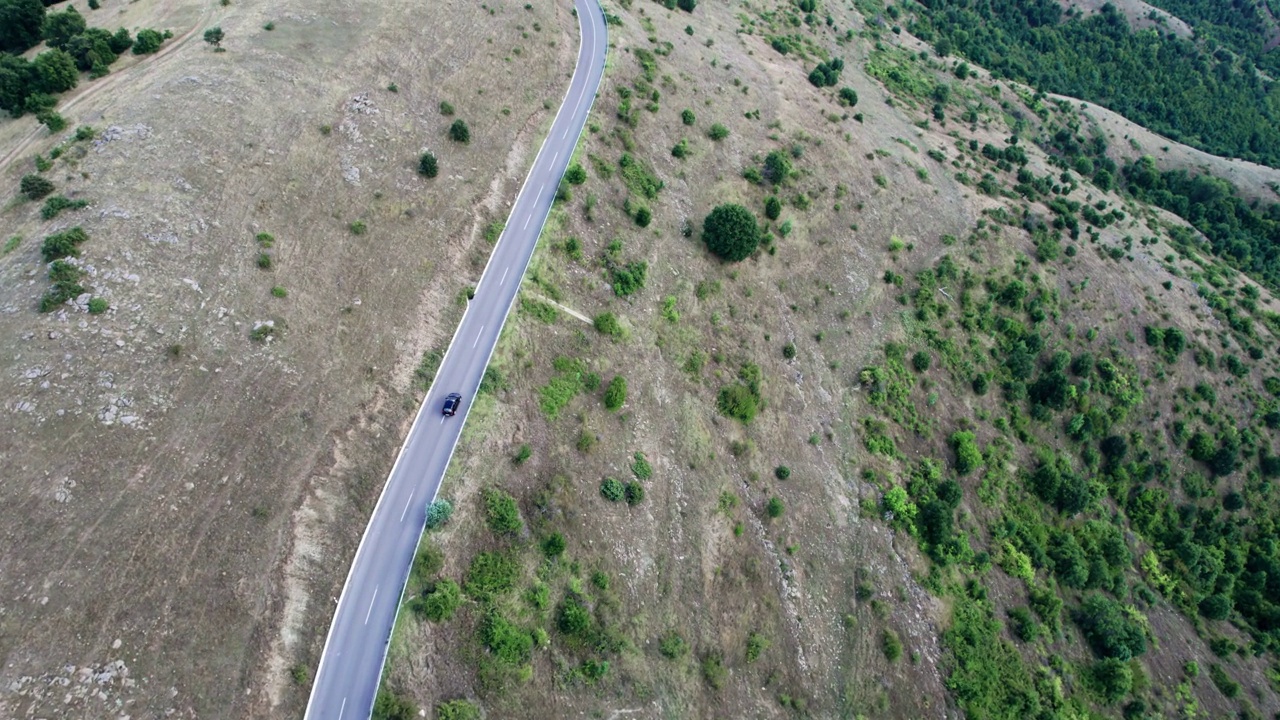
(346, 683)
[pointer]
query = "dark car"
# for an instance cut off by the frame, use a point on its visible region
(451, 403)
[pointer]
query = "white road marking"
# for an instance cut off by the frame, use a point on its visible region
(575, 105)
(526, 223)
(478, 336)
(554, 158)
(375, 597)
(540, 188)
(504, 276)
(441, 419)
(406, 507)
(342, 709)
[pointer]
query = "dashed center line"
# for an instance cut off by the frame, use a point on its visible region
(478, 335)
(526, 220)
(375, 597)
(406, 507)
(504, 276)
(342, 709)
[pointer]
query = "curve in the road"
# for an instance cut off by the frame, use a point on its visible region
(346, 682)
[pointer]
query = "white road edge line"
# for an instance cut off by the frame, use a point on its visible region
(478, 336)
(423, 407)
(371, 601)
(406, 507)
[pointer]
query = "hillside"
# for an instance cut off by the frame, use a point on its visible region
(983, 427)
(180, 499)
(1001, 444)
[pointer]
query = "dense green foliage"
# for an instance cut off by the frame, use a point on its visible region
(501, 512)
(1175, 87)
(730, 231)
(20, 24)
(615, 394)
(1245, 236)
(428, 166)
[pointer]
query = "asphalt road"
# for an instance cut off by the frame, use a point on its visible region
(346, 683)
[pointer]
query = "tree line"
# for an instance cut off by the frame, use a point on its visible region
(29, 86)
(1214, 100)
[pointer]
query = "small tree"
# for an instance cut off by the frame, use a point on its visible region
(687, 5)
(59, 28)
(214, 36)
(35, 187)
(147, 42)
(772, 207)
(968, 456)
(438, 513)
(427, 165)
(777, 167)
(774, 508)
(730, 231)
(616, 394)
(576, 174)
(440, 604)
(687, 117)
(634, 493)
(459, 132)
(612, 489)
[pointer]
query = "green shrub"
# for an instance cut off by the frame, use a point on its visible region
(1110, 630)
(457, 710)
(390, 706)
(358, 227)
(501, 512)
(713, 670)
(553, 546)
(775, 507)
(641, 467)
(35, 187)
(1225, 683)
(629, 279)
(718, 132)
(147, 41)
(772, 207)
(441, 602)
(827, 74)
(738, 402)
(612, 489)
(576, 174)
(643, 216)
(56, 204)
(63, 244)
(921, 361)
(524, 453)
(891, 644)
(634, 493)
(491, 574)
(756, 645)
(98, 305)
(730, 231)
(445, 108)
(438, 513)
(52, 120)
(264, 261)
(459, 132)
(672, 646)
(606, 323)
(616, 393)
(968, 456)
(510, 644)
(782, 472)
(279, 291)
(848, 97)
(428, 166)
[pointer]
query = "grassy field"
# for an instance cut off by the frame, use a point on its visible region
(181, 500)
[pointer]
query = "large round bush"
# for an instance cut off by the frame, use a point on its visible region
(730, 231)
